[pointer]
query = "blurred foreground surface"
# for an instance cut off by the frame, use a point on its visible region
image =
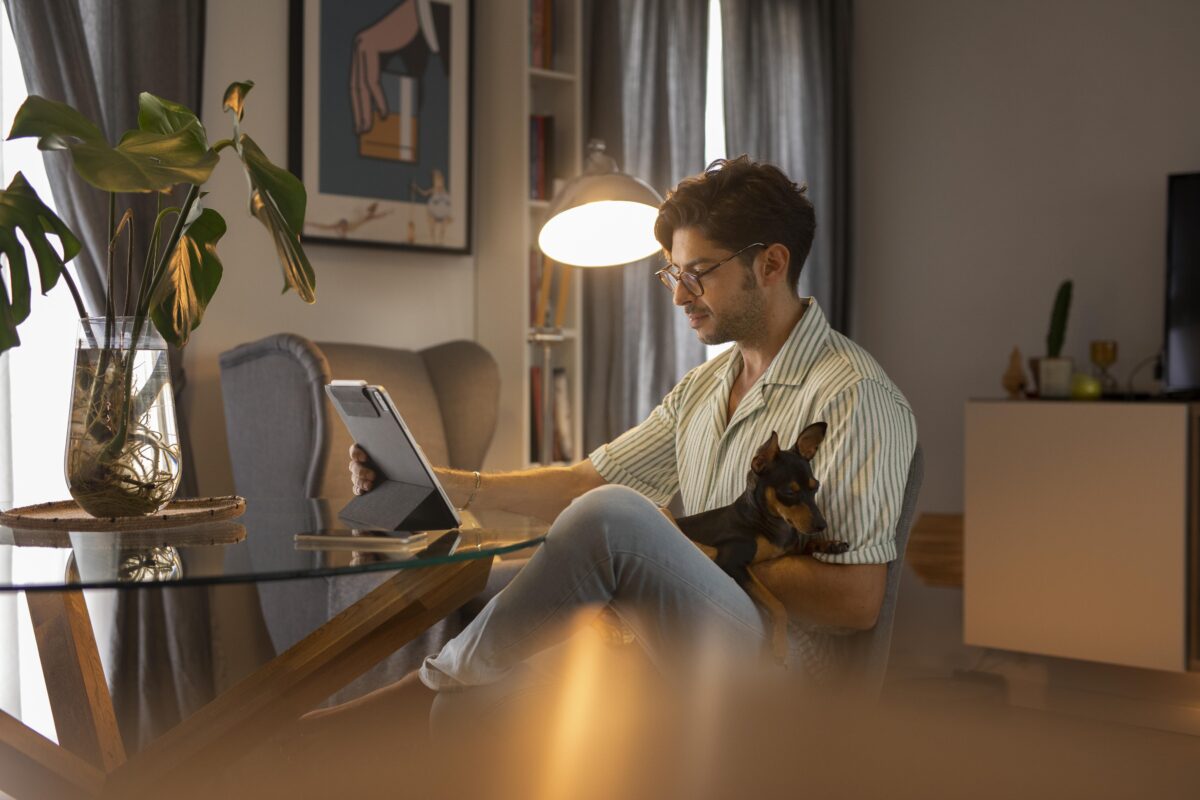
(608, 727)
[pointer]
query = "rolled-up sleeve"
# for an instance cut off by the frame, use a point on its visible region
(862, 465)
(644, 458)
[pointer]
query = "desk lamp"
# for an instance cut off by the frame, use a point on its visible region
(602, 217)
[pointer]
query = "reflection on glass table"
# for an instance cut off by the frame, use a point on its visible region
(276, 539)
(417, 581)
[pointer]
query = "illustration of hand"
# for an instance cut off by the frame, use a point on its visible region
(395, 31)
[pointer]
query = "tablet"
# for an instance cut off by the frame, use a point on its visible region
(407, 495)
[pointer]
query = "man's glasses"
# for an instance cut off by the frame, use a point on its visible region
(671, 275)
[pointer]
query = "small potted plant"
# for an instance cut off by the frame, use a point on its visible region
(1054, 370)
(123, 455)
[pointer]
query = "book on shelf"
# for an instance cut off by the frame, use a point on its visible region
(541, 34)
(535, 282)
(563, 443)
(549, 291)
(541, 156)
(535, 413)
(541, 285)
(562, 295)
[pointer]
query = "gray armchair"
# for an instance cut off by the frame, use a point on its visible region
(285, 441)
(870, 650)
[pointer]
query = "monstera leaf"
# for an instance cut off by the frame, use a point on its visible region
(193, 274)
(235, 100)
(169, 148)
(156, 115)
(277, 200)
(21, 208)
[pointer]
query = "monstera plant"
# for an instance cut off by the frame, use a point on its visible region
(123, 453)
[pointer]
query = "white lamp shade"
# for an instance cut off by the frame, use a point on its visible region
(601, 218)
(600, 234)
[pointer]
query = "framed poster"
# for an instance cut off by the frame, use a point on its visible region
(380, 121)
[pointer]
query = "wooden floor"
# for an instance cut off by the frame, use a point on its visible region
(935, 549)
(971, 742)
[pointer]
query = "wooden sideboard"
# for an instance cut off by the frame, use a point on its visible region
(1080, 531)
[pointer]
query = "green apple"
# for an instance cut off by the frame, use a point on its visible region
(1085, 387)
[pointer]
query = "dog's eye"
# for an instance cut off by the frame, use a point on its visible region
(813, 484)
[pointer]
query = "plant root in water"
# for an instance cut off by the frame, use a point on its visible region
(118, 463)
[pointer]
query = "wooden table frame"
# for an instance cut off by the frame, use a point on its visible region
(90, 760)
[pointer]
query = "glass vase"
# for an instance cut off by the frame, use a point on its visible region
(123, 456)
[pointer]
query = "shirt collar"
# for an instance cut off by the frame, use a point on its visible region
(798, 353)
(806, 341)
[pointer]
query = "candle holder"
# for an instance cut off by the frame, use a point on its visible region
(1103, 353)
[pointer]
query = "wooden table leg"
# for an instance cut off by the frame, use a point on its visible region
(32, 766)
(75, 683)
(294, 682)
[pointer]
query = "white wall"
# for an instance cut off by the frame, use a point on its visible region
(377, 296)
(1000, 148)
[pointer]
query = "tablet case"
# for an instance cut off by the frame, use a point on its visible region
(405, 497)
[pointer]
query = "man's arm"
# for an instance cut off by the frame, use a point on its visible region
(842, 595)
(542, 492)
(862, 464)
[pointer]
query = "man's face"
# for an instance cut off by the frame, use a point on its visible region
(731, 308)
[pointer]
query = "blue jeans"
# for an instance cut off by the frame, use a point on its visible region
(609, 548)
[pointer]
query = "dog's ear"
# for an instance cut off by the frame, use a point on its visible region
(810, 439)
(766, 454)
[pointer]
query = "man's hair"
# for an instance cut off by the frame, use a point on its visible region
(738, 202)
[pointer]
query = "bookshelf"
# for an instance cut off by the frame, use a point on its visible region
(509, 91)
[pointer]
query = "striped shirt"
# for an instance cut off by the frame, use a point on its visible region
(818, 375)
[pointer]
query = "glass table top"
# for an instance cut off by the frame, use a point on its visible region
(275, 539)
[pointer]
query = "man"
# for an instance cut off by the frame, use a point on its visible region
(736, 238)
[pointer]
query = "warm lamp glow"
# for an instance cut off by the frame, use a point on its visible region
(601, 234)
(600, 218)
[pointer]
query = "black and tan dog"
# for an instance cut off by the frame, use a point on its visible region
(777, 515)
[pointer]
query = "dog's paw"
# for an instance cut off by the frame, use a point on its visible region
(837, 548)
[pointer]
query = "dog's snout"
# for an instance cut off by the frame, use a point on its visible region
(819, 526)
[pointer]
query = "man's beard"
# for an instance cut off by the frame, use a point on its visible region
(742, 323)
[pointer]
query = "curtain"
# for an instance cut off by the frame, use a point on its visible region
(97, 55)
(646, 101)
(10, 687)
(787, 101)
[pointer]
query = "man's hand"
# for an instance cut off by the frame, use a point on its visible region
(362, 477)
(841, 595)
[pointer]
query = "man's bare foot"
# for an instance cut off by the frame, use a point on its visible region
(363, 748)
(403, 704)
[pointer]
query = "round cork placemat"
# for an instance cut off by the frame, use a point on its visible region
(66, 515)
(199, 534)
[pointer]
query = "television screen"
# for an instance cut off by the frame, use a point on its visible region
(1181, 344)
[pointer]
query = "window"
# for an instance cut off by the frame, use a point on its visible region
(35, 381)
(39, 370)
(714, 114)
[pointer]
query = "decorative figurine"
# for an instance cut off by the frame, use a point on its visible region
(1014, 377)
(1104, 355)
